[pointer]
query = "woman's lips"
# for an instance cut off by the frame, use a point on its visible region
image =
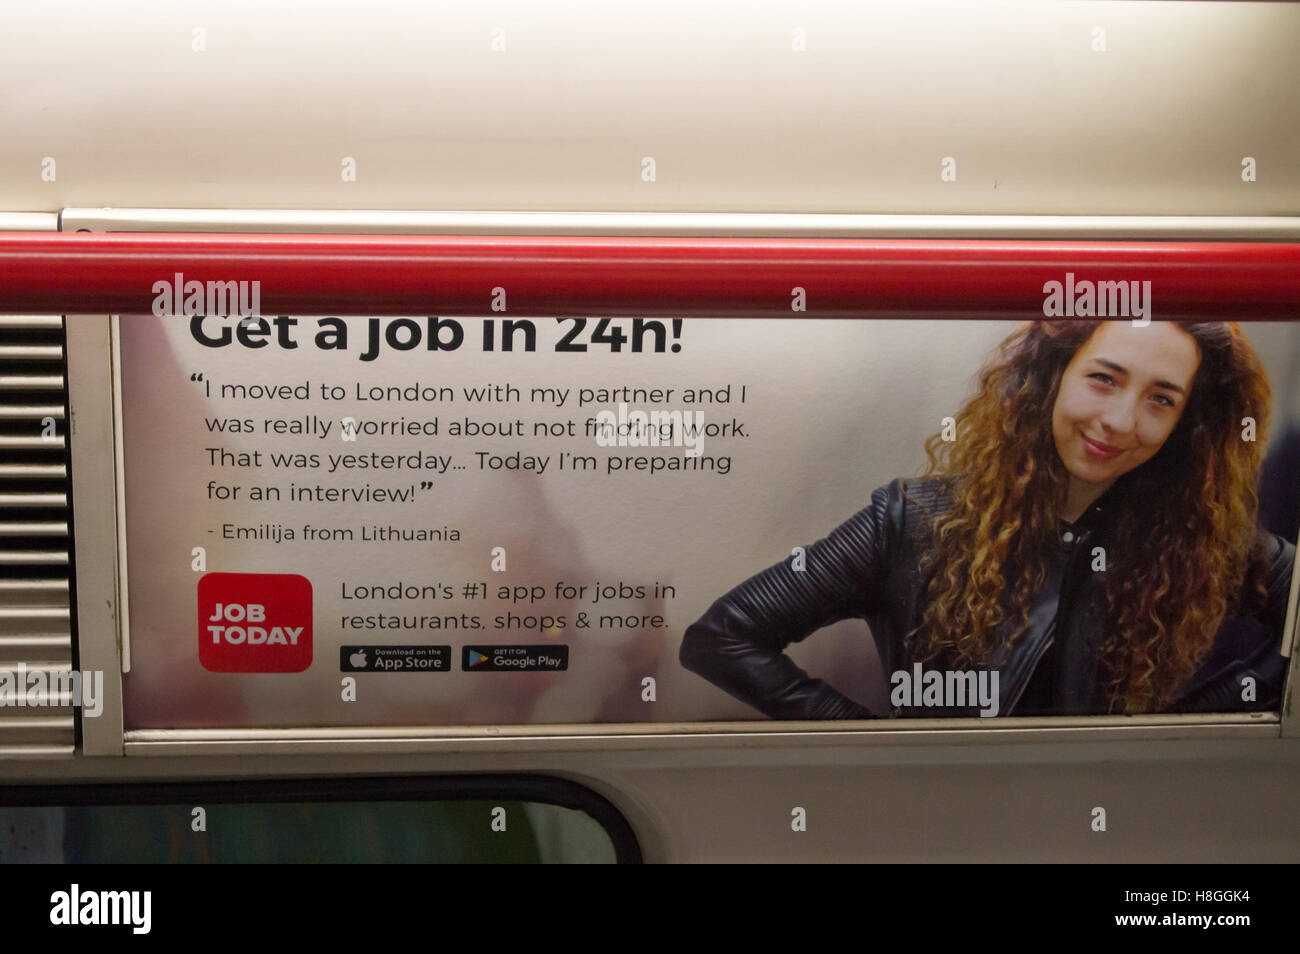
(1101, 451)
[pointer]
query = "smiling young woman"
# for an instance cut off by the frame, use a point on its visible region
(1084, 536)
(1120, 398)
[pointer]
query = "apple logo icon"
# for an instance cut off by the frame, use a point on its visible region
(358, 659)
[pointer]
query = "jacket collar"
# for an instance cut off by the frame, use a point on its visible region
(1099, 513)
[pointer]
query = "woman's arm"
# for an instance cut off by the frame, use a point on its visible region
(738, 645)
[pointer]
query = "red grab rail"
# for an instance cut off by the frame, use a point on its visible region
(115, 273)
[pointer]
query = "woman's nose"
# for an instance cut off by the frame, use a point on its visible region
(1121, 416)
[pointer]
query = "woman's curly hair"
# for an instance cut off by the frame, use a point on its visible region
(1181, 524)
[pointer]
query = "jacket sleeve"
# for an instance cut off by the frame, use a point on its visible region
(1221, 690)
(739, 643)
(1278, 557)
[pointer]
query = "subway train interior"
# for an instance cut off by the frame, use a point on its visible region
(687, 433)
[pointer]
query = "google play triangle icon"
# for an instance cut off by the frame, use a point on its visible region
(476, 658)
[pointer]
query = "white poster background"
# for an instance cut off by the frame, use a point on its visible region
(832, 410)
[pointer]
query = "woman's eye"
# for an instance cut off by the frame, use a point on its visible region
(1103, 378)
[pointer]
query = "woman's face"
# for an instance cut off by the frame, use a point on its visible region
(1120, 398)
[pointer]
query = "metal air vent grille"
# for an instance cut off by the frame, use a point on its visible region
(35, 538)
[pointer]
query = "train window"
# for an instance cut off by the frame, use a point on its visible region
(496, 819)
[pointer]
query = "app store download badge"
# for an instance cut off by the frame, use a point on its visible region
(254, 622)
(541, 658)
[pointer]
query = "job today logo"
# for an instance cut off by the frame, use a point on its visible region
(255, 622)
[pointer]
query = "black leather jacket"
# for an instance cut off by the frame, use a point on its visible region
(868, 568)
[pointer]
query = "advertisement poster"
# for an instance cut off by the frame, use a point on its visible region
(379, 521)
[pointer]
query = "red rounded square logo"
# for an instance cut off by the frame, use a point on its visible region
(254, 622)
